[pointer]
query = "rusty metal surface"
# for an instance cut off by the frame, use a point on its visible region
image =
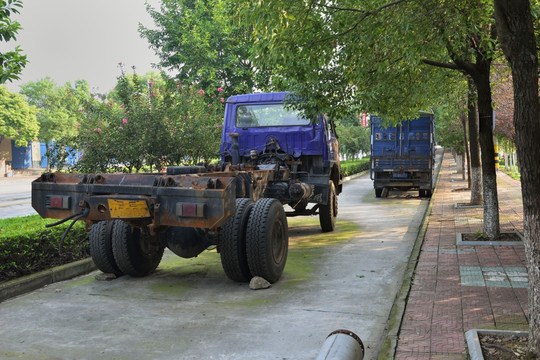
(163, 194)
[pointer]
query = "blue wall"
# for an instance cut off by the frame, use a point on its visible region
(21, 156)
(71, 159)
(43, 150)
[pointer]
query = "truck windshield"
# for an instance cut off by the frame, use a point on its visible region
(268, 115)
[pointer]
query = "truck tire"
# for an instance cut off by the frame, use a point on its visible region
(233, 242)
(378, 192)
(132, 251)
(100, 238)
(425, 193)
(267, 239)
(328, 212)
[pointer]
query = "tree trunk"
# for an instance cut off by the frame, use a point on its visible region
(459, 164)
(463, 166)
(489, 176)
(476, 169)
(516, 35)
(463, 120)
(506, 153)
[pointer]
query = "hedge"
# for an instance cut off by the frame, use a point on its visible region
(27, 246)
(351, 167)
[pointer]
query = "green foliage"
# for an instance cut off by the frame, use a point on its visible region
(59, 108)
(353, 137)
(348, 55)
(199, 42)
(450, 132)
(351, 167)
(26, 246)
(147, 121)
(17, 119)
(513, 174)
(11, 62)
(449, 114)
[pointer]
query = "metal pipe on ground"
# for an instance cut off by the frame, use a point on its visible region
(342, 345)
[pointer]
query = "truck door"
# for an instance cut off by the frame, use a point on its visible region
(385, 141)
(419, 142)
(332, 138)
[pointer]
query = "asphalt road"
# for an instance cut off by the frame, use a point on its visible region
(15, 196)
(188, 309)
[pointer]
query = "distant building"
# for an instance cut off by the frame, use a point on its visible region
(18, 158)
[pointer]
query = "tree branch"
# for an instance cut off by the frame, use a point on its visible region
(340, 8)
(441, 64)
(370, 13)
(362, 18)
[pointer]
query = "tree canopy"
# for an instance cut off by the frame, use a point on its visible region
(198, 42)
(59, 107)
(17, 119)
(343, 55)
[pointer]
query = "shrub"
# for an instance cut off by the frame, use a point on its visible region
(351, 167)
(27, 246)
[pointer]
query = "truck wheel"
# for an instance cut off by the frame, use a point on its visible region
(133, 252)
(328, 212)
(267, 239)
(425, 193)
(101, 250)
(233, 243)
(378, 192)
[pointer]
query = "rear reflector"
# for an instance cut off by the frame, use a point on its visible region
(190, 210)
(58, 202)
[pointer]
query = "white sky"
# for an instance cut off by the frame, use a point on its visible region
(69, 40)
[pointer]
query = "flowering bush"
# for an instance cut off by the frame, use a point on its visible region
(147, 121)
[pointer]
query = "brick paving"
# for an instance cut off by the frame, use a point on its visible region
(459, 287)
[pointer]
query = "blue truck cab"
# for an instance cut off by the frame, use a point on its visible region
(402, 156)
(261, 132)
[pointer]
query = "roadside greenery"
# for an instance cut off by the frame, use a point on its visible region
(514, 174)
(17, 118)
(146, 121)
(351, 167)
(58, 107)
(27, 246)
(354, 138)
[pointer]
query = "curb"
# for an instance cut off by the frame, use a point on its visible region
(473, 340)
(355, 176)
(461, 242)
(29, 283)
(389, 344)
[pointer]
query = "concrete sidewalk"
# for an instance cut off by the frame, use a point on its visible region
(458, 287)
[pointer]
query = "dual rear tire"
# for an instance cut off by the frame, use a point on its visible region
(255, 241)
(118, 248)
